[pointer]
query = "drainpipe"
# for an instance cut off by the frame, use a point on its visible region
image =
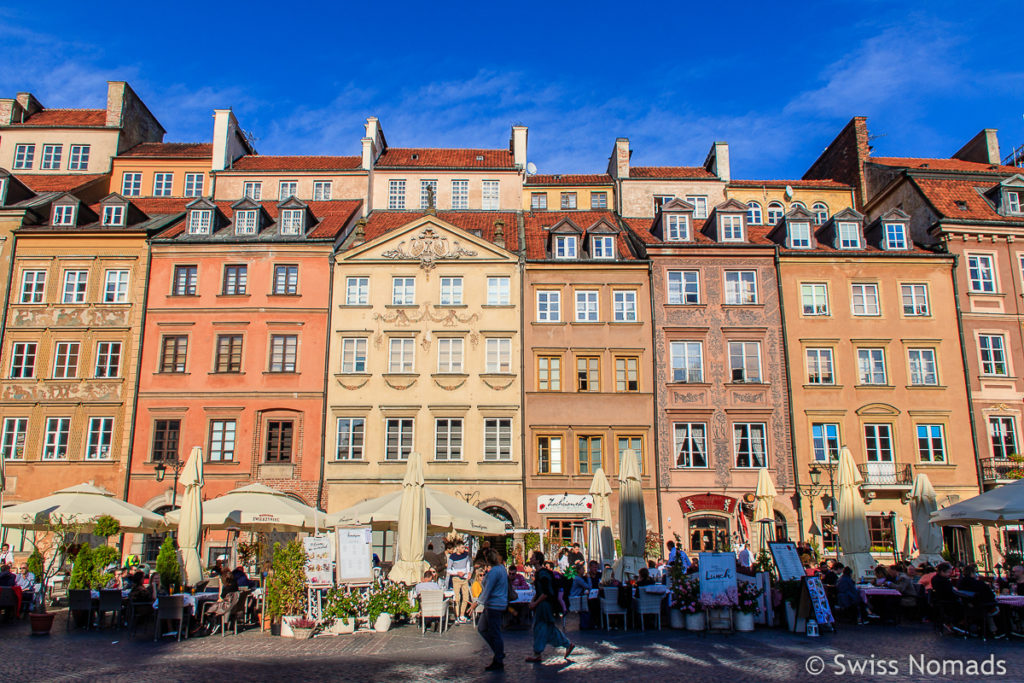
(521, 224)
(656, 445)
(327, 360)
(3, 328)
(789, 398)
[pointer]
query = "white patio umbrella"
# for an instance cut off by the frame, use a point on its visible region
(82, 504)
(998, 507)
(444, 513)
(764, 509)
(632, 520)
(602, 548)
(191, 517)
(852, 522)
(254, 508)
(923, 502)
(412, 526)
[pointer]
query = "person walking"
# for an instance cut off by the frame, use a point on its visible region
(458, 569)
(494, 599)
(545, 605)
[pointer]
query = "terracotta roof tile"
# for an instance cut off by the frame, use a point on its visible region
(819, 184)
(259, 162)
(381, 222)
(961, 199)
(67, 117)
(58, 183)
(161, 150)
(572, 179)
(536, 224)
(945, 165)
(670, 172)
(396, 157)
(331, 216)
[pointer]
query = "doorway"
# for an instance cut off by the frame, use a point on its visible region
(709, 533)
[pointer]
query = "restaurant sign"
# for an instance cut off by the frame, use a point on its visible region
(565, 503)
(708, 502)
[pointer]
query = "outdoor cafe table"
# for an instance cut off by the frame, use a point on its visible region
(191, 600)
(1010, 600)
(867, 592)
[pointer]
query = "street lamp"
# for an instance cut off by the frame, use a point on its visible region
(161, 471)
(891, 518)
(816, 488)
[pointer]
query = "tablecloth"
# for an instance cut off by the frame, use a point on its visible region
(871, 592)
(1011, 600)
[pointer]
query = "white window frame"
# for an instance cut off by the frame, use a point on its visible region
(194, 184)
(914, 296)
(64, 214)
(895, 236)
(403, 291)
(993, 357)
(687, 361)
(291, 221)
(871, 366)
(498, 355)
(108, 359)
(357, 291)
(624, 308)
(490, 195)
(694, 436)
(922, 367)
(286, 189)
(848, 235)
(700, 205)
(981, 273)
(1003, 426)
(223, 440)
(869, 305)
(1013, 202)
(741, 350)
(450, 355)
(814, 298)
(683, 287)
(598, 199)
(931, 442)
(131, 184)
(740, 287)
(800, 235)
(115, 288)
(322, 190)
(677, 228)
(499, 291)
(879, 445)
(163, 184)
(100, 438)
(825, 442)
(821, 214)
(754, 213)
(820, 360)
(587, 306)
(351, 438)
(353, 355)
(497, 432)
(200, 221)
(113, 214)
(602, 246)
(775, 212)
(12, 442)
(76, 286)
(424, 197)
(253, 189)
(451, 291)
(449, 438)
(549, 306)
(51, 158)
(565, 246)
(246, 222)
(33, 286)
(404, 429)
(732, 227)
(56, 438)
(752, 438)
(460, 195)
(401, 355)
(24, 156)
(23, 360)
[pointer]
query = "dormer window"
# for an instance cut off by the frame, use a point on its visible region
(1013, 202)
(291, 221)
(64, 214)
(895, 236)
(199, 221)
(800, 235)
(113, 215)
(245, 222)
(677, 228)
(565, 246)
(3, 191)
(849, 236)
(602, 246)
(732, 228)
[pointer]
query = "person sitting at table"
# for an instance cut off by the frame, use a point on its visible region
(881, 577)
(26, 581)
(981, 597)
(644, 577)
(427, 584)
(7, 579)
(901, 581)
(517, 580)
(848, 600)
(241, 579)
(218, 608)
(116, 581)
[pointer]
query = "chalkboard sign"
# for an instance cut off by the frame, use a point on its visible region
(717, 574)
(787, 561)
(355, 559)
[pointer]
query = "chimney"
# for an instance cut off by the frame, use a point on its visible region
(518, 146)
(983, 148)
(29, 105)
(717, 161)
(229, 142)
(374, 143)
(499, 232)
(618, 164)
(360, 233)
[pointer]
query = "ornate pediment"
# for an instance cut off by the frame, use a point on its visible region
(428, 247)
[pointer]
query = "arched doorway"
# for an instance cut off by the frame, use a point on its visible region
(151, 546)
(781, 527)
(498, 542)
(708, 533)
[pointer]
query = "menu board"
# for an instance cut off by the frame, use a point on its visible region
(819, 601)
(355, 556)
(787, 560)
(318, 560)
(717, 574)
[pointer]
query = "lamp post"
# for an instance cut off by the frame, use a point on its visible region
(891, 518)
(161, 471)
(816, 488)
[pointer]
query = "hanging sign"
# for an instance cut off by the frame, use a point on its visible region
(566, 503)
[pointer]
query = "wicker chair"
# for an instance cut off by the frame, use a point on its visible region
(648, 604)
(610, 606)
(433, 605)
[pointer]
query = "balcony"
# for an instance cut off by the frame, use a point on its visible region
(1001, 470)
(886, 475)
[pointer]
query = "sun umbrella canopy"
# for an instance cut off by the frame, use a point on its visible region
(255, 508)
(923, 502)
(1003, 505)
(602, 548)
(444, 513)
(82, 504)
(764, 509)
(190, 524)
(852, 522)
(632, 519)
(412, 525)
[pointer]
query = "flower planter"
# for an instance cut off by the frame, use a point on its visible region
(383, 623)
(720, 618)
(340, 626)
(675, 618)
(41, 623)
(286, 627)
(696, 621)
(744, 621)
(302, 633)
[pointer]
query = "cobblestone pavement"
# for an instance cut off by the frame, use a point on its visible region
(404, 655)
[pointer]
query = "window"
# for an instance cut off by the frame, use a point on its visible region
(162, 184)
(700, 206)
(678, 228)
(549, 306)
(24, 155)
(586, 306)
(23, 360)
(498, 291)
(13, 443)
(879, 531)
(814, 298)
(915, 299)
(602, 246)
(1003, 432)
(33, 286)
(624, 306)
(745, 361)
(568, 201)
(101, 432)
(55, 444)
(75, 284)
(401, 352)
(661, 200)
(498, 439)
(185, 280)
(820, 213)
(878, 442)
(235, 280)
(598, 200)
(775, 212)
(131, 184)
(849, 236)
(115, 290)
(351, 434)
(253, 190)
(871, 366)
(398, 438)
(291, 221)
(633, 443)
(353, 354)
(922, 367)
(565, 246)
(993, 354)
(174, 350)
(113, 215)
(538, 201)
(1013, 202)
(286, 280)
(754, 215)
(549, 373)
(108, 359)
(64, 214)
(166, 434)
(200, 221)
(229, 353)
(819, 366)
(283, 352)
(287, 189)
(428, 194)
(750, 444)
(800, 235)
(865, 299)
(627, 373)
(194, 184)
(732, 228)
(451, 291)
(690, 443)
(825, 441)
(981, 272)
(895, 236)
(549, 455)
(460, 194)
(588, 373)
(740, 287)
(683, 287)
(499, 355)
(931, 443)
(687, 361)
(321, 190)
(65, 360)
(357, 291)
(222, 440)
(449, 354)
(245, 222)
(403, 291)
(280, 437)
(588, 451)
(51, 157)
(447, 439)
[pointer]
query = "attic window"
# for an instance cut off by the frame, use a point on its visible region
(113, 215)
(1013, 202)
(678, 228)
(732, 228)
(895, 236)
(800, 235)
(962, 205)
(291, 222)
(602, 246)
(245, 222)
(565, 246)
(199, 221)
(64, 214)
(479, 157)
(415, 157)
(849, 236)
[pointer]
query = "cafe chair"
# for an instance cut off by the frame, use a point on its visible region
(110, 601)
(170, 608)
(648, 604)
(80, 601)
(433, 605)
(610, 607)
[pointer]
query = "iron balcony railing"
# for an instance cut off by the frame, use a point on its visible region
(1001, 469)
(886, 474)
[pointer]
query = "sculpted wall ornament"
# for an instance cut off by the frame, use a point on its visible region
(86, 391)
(447, 317)
(497, 387)
(451, 388)
(428, 248)
(399, 386)
(70, 317)
(353, 387)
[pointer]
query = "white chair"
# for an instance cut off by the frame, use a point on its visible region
(433, 605)
(648, 604)
(610, 606)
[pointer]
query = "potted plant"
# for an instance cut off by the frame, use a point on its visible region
(50, 550)
(302, 627)
(686, 598)
(168, 566)
(340, 610)
(286, 585)
(719, 608)
(747, 605)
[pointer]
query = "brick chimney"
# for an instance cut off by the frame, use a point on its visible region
(618, 163)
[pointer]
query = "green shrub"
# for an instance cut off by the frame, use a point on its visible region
(81, 569)
(35, 564)
(167, 564)
(106, 526)
(286, 586)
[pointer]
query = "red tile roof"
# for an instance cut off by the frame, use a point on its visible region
(816, 184)
(259, 162)
(156, 206)
(331, 217)
(670, 172)
(945, 165)
(536, 224)
(961, 199)
(578, 179)
(381, 222)
(72, 118)
(160, 150)
(58, 183)
(396, 157)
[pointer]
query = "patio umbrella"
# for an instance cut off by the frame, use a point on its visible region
(998, 507)
(82, 504)
(852, 522)
(632, 520)
(254, 508)
(602, 548)
(412, 526)
(190, 524)
(444, 513)
(764, 509)
(923, 502)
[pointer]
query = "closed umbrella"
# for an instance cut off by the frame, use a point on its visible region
(923, 502)
(412, 526)
(852, 522)
(82, 504)
(632, 520)
(602, 548)
(764, 509)
(191, 519)
(444, 513)
(255, 507)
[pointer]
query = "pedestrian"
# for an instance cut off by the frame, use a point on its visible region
(494, 599)
(545, 606)
(6, 556)
(458, 569)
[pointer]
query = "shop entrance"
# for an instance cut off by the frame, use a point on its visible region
(709, 533)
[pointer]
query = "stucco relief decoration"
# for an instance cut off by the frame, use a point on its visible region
(353, 387)
(99, 391)
(428, 248)
(400, 387)
(751, 397)
(70, 317)
(497, 386)
(688, 397)
(447, 318)
(454, 387)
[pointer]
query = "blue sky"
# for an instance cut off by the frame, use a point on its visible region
(775, 80)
